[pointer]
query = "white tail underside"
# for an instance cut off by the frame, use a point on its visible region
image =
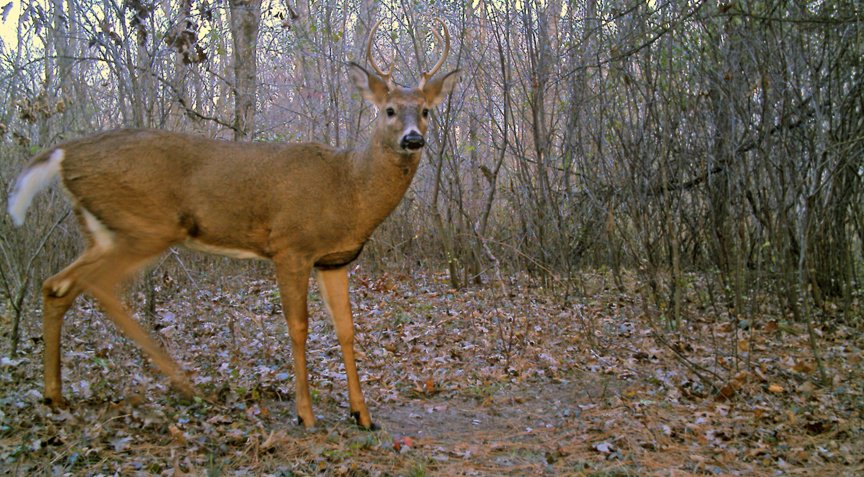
(30, 183)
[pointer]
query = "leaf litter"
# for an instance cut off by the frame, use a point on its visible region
(462, 382)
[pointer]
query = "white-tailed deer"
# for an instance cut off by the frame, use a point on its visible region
(304, 206)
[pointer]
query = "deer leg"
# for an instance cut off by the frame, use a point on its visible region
(134, 331)
(334, 288)
(58, 293)
(53, 309)
(293, 286)
(98, 271)
(101, 282)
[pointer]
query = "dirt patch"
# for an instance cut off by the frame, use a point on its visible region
(514, 429)
(514, 409)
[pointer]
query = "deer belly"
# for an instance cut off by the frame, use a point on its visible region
(219, 250)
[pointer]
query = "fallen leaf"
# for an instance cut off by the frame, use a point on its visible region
(604, 447)
(402, 443)
(121, 444)
(177, 434)
(803, 367)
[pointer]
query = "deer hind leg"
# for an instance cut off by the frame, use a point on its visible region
(58, 294)
(102, 282)
(99, 272)
(334, 288)
(293, 286)
(133, 330)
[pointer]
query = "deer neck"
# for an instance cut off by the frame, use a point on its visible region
(383, 177)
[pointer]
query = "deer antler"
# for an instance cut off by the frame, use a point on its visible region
(429, 74)
(384, 76)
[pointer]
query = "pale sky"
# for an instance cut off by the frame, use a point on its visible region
(8, 28)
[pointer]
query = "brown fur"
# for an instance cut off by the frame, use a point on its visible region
(165, 188)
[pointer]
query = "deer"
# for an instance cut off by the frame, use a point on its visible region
(304, 206)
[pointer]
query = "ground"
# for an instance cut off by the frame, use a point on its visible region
(488, 380)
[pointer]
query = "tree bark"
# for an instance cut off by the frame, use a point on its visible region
(245, 22)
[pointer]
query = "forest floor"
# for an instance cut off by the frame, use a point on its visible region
(481, 381)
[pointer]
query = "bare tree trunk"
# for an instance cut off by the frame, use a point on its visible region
(181, 38)
(145, 94)
(62, 50)
(245, 22)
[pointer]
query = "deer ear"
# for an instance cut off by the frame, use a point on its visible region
(439, 88)
(371, 87)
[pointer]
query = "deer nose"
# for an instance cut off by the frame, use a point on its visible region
(412, 141)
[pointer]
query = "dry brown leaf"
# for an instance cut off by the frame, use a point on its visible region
(177, 434)
(803, 367)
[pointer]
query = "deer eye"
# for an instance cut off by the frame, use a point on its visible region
(425, 112)
(391, 112)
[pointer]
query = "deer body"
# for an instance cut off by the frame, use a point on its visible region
(239, 199)
(304, 206)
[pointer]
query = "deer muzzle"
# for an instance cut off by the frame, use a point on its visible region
(412, 141)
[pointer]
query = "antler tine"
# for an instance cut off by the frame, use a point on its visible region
(429, 74)
(384, 76)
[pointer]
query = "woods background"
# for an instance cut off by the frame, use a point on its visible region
(710, 149)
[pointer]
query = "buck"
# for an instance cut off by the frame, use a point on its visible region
(304, 206)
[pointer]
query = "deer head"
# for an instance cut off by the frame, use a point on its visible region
(403, 112)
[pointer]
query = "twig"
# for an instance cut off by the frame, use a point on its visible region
(18, 303)
(695, 368)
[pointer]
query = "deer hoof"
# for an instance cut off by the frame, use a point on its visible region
(371, 427)
(301, 422)
(185, 388)
(55, 402)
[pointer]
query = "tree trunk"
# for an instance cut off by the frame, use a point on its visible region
(245, 21)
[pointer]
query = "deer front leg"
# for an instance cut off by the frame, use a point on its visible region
(293, 286)
(334, 288)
